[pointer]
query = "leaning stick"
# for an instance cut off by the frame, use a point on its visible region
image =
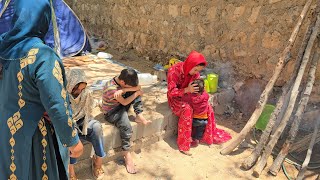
(282, 104)
(309, 153)
(297, 118)
(284, 58)
(294, 93)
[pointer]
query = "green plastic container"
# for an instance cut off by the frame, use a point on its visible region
(213, 82)
(206, 85)
(265, 117)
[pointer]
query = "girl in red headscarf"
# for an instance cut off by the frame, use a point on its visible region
(180, 78)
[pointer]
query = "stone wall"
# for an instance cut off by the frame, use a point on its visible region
(249, 33)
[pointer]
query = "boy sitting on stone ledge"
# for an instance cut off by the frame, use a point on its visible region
(118, 95)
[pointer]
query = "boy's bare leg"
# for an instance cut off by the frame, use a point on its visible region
(141, 119)
(72, 174)
(129, 163)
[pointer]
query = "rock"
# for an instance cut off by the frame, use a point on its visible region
(271, 40)
(185, 10)
(222, 100)
(273, 1)
(238, 12)
(237, 86)
(225, 97)
(309, 119)
(220, 110)
(173, 10)
(248, 95)
(254, 15)
(213, 99)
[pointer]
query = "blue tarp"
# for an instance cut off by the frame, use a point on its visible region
(66, 33)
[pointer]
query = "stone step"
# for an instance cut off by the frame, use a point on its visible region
(164, 124)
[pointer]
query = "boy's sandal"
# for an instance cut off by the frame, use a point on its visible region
(98, 173)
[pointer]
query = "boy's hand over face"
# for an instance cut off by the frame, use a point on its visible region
(137, 88)
(139, 93)
(118, 93)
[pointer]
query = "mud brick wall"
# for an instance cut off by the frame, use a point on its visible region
(249, 33)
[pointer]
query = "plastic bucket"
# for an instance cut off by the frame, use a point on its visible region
(213, 82)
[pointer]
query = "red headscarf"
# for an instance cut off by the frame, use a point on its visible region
(192, 61)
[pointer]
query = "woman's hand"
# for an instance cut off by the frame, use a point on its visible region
(192, 88)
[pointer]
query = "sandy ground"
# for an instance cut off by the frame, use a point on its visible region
(162, 160)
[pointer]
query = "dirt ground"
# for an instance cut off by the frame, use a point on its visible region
(162, 160)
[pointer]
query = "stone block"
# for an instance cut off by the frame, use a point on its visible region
(242, 37)
(158, 10)
(271, 40)
(249, 94)
(253, 39)
(254, 15)
(143, 23)
(143, 39)
(173, 10)
(185, 10)
(211, 13)
(172, 121)
(239, 52)
(162, 43)
(202, 31)
(238, 12)
(274, 1)
(130, 37)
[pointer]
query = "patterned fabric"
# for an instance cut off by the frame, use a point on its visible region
(108, 100)
(82, 105)
(176, 83)
(33, 82)
(199, 104)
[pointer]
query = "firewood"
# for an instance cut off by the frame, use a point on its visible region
(282, 104)
(297, 118)
(284, 58)
(293, 96)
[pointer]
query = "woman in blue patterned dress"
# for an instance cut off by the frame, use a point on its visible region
(32, 81)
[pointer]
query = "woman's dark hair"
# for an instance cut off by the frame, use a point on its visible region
(200, 84)
(129, 76)
(201, 64)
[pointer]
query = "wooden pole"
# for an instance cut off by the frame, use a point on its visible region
(284, 58)
(309, 153)
(295, 91)
(282, 104)
(297, 118)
